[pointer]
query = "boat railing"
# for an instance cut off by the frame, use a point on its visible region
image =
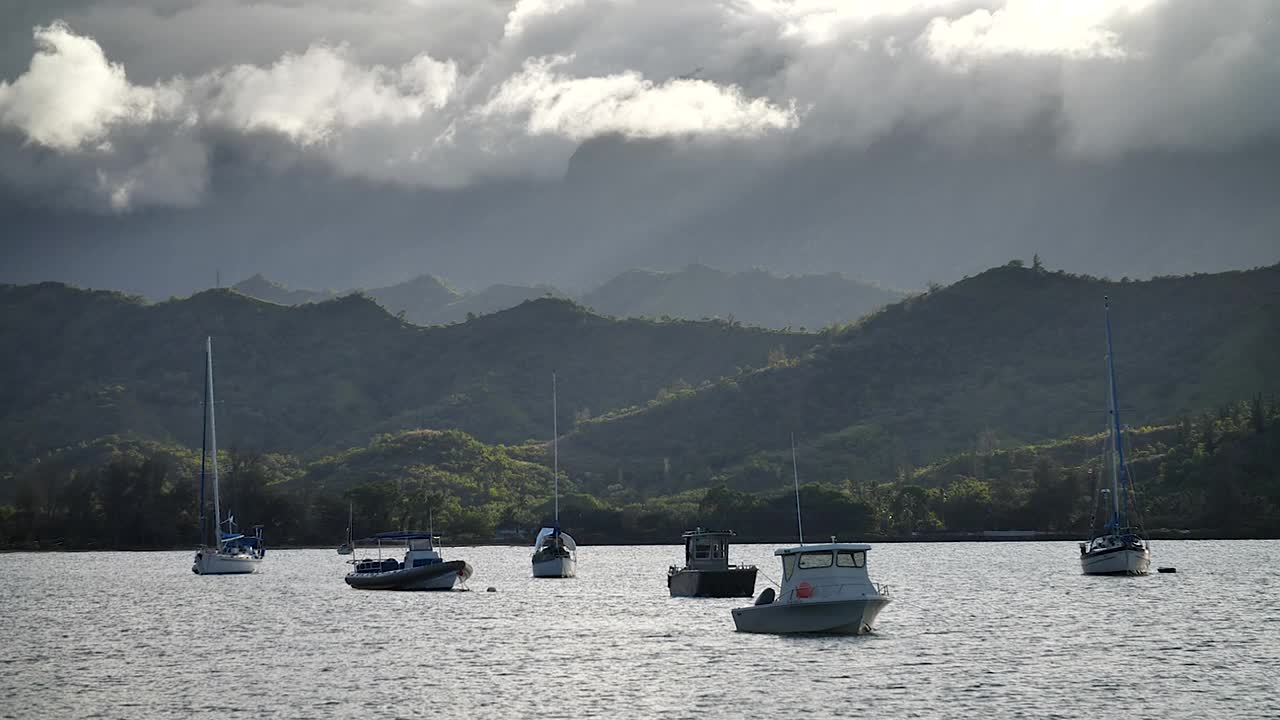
(838, 589)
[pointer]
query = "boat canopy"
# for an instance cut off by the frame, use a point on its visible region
(400, 535)
(700, 532)
(821, 548)
(547, 532)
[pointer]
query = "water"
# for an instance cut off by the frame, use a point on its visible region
(976, 630)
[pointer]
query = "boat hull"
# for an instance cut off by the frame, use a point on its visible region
(832, 617)
(733, 582)
(209, 562)
(560, 567)
(439, 576)
(1117, 561)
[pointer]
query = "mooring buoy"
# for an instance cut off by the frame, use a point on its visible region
(492, 589)
(1167, 570)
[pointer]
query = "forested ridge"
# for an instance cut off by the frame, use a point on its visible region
(317, 378)
(968, 408)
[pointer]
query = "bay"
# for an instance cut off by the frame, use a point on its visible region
(975, 630)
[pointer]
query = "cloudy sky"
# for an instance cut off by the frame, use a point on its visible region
(146, 144)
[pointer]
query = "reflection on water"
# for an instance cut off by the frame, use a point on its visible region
(975, 630)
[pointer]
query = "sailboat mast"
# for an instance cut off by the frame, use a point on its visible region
(204, 441)
(555, 446)
(795, 474)
(1117, 447)
(213, 444)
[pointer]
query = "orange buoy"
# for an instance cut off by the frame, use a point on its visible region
(804, 590)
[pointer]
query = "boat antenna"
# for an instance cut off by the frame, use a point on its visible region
(795, 474)
(555, 447)
(1117, 456)
(213, 444)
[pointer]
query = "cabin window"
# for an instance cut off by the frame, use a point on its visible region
(701, 551)
(788, 566)
(851, 558)
(810, 561)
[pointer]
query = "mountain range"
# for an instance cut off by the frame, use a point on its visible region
(328, 375)
(754, 297)
(975, 405)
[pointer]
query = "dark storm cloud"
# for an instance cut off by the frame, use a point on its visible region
(340, 142)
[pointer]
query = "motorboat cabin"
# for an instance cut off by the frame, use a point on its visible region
(706, 571)
(825, 589)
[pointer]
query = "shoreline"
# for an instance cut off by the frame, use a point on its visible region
(922, 538)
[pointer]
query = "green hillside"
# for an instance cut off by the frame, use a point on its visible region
(316, 378)
(1009, 357)
(1217, 473)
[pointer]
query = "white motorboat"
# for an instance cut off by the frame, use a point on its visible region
(232, 553)
(555, 554)
(1120, 546)
(825, 589)
(421, 569)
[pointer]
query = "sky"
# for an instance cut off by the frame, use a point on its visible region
(150, 145)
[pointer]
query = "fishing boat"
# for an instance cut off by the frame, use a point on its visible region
(232, 553)
(1120, 546)
(706, 571)
(421, 569)
(554, 550)
(825, 589)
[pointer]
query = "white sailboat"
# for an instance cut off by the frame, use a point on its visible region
(1120, 548)
(825, 588)
(233, 553)
(554, 551)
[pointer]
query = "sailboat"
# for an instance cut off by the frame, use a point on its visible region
(825, 588)
(233, 553)
(347, 547)
(1119, 547)
(554, 551)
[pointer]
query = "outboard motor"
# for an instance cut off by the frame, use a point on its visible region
(766, 597)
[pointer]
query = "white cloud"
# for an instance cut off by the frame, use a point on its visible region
(629, 105)
(526, 12)
(312, 96)
(71, 95)
(448, 93)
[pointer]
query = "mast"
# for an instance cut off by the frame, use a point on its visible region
(213, 444)
(204, 440)
(795, 474)
(1117, 447)
(555, 447)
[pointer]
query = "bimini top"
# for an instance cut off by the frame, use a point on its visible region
(547, 532)
(824, 547)
(700, 532)
(401, 535)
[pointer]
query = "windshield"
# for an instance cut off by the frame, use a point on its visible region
(809, 561)
(851, 558)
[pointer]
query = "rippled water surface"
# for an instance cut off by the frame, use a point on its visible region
(975, 630)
